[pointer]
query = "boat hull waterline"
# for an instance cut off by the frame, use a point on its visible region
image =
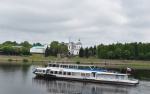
(89, 80)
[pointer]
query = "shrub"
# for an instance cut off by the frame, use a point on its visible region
(32, 60)
(78, 62)
(25, 60)
(9, 59)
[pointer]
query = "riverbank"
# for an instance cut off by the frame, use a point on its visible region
(41, 60)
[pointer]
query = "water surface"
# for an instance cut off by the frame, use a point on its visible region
(19, 79)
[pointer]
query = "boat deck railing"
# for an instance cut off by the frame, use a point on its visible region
(77, 66)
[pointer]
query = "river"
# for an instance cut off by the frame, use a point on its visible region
(19, 79)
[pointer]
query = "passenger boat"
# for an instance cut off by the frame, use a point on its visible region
(74, 72)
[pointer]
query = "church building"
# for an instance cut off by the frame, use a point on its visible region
(73, 48)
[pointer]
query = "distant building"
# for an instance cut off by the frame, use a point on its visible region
(73, 48)
(38, 49)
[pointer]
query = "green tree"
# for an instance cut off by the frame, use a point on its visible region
(38, 44)
(9, 43)
(136, 49)
(141, 56)
(63, 49)
(87, 52)
(126, 54)
(81, 52)
(55, 52)
(34, 44)
(91, 51)
(101, 51)
(50, 52)
(54, 48)
(147, 56)
(7, 50)
(46, 52)
(103, 54)
(94, 53)
(54, 45)
(17, 51)
(26, 44)
(118, 53)
(25, 51)
(110, 55)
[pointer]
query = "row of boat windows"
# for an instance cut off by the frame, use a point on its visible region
(66, 73)
(70, 66)
(63, 66)
(122, 77)
(78, 74)
(70, 73)
(40, 71)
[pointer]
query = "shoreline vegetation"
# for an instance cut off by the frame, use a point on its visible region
(38, 59)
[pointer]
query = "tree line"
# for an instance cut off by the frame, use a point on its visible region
(12, 48)
(140, 51)
(132, 51)
(88, 52)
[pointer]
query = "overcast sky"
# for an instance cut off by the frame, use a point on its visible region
(93, 21)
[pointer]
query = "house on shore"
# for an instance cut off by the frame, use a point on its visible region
(38, 49)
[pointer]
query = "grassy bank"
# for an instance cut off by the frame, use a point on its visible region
(40, 59)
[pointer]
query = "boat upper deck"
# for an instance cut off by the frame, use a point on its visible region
(75, 66)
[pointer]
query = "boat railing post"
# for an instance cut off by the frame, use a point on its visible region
(90, 67)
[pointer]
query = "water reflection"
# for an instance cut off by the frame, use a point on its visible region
(73, 87)
(136, 73)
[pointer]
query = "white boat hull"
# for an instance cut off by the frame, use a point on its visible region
(93, 80)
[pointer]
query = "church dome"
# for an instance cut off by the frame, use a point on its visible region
(79, 43)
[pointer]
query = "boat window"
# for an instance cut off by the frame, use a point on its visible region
(83, 74)
(73, 74)
(39, 70)
(60, 72)
(50, 65)
(125, 77)
(55, 72)
(117, 76)
(53, 65)
(57, 65)
(68, 73)
(94, 74)
(51, 72)
(64, 73)
(122, 77)
(70, 66)
(78, 74)
(87, 74)
(43, 71)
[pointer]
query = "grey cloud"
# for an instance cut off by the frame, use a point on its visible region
(94, 22)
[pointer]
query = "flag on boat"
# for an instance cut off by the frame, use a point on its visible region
(128, 69)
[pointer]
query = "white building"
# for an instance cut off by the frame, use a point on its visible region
(73, 48)
(38, 49)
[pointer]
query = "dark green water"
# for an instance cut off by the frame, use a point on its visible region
(19, 79)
